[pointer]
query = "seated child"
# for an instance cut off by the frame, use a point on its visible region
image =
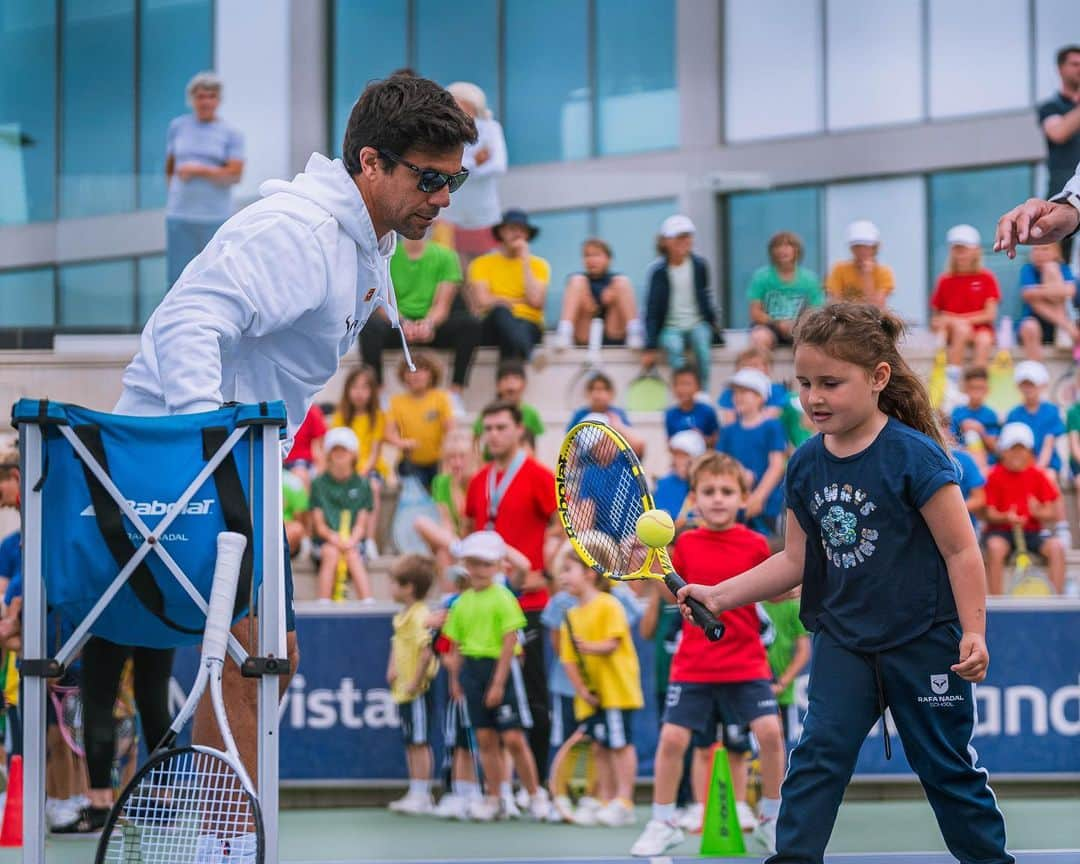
(688, 412)
(597, 651)
(295, 504)
(1048, 288)
(673, 490)
(510, 383)
(758, 443)
(335, 493)
(1019, 493)
(599, 399)
(598, 293)
(975, 425)
(419, 418)
(484, 625)
(760, 359)
(409, 672)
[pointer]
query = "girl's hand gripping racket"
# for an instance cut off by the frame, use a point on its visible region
(190, 805)
(602, 495)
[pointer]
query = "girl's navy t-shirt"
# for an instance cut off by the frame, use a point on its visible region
(874, 577)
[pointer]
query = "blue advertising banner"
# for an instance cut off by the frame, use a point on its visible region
(339, 724)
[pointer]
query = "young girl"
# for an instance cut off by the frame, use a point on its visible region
(596, 292)
(448, 492)
(608, 688)
(419, 419)
(965, 301)
(893, 587)
(359, 410)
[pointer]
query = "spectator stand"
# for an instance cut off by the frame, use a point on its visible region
(78, 463)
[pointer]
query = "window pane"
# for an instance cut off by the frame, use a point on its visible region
(459, 42)
(26, 298)
(752, 218)
(898, 208)
(27, 110)
(153, 284)
(979, 198)
(875, 68)
(98, 295)
(1057, 24)
(559, 241)
(638, 99)
(630, 230)
(174, 43)
(369, 42)
(547, 81)
(772, 68)
(97, 162)
(978, 56)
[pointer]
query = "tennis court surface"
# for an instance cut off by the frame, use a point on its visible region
(893, 832)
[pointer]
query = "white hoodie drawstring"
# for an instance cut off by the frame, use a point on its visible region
(395, 321)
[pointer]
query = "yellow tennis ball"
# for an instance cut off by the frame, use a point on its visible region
(655, 528)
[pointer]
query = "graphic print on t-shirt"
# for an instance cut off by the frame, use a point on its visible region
(838, 509)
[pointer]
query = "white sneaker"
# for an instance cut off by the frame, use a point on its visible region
(521, 798)
(635, 335)
(452, 806)
(564, 336)
(414, 805)
(765, 832)
(539, 358)
(368, 601)
(509, 809)
(457, 404)
(656, 839)
(484, 809)
(60, 813)
(371, 550)
(562, 810)
(586, 811)
(616, 814)
(540, 805)
(694, 816)
(240, 849)
(747, 820)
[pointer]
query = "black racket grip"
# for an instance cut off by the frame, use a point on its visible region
(705, 619)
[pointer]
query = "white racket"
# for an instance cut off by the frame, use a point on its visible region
(193, 804)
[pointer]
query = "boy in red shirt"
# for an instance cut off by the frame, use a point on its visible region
(716, 683)
(965, 301)
(1018, 492)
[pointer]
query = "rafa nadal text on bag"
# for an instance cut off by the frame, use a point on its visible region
(185, 478)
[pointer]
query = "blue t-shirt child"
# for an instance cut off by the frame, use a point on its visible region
(1046, 420)
(752, 446)
(582, 413)
(778, 397)
(670, 494)
(971, 477)
(874, 578)
(10, 555)
(984, 414)
(701, 417)
(1029, 275)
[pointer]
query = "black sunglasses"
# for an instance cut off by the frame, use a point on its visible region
(430, 179)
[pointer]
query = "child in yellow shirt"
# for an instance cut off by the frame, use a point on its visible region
(597, 650)
(419, 419)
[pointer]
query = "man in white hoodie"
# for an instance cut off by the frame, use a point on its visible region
(279, 295)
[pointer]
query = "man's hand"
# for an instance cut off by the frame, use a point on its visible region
(974, 658)
(1034, 222)
(482, 155)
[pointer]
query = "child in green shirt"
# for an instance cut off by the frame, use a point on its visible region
(788, 646)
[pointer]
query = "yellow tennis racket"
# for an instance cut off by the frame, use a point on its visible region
(1026, 582)
(602, 493)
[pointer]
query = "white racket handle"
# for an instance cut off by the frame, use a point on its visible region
(230, 552)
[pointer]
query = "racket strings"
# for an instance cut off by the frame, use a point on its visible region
(603, 500)
(191, 807)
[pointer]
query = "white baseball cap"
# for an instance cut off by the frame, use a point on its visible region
(753, 379)
(1013, 434)
(483, 545)
(673, 226)
(341, 436)
(863, 232)
(963, 235)
(689, 441)
(1033, 371)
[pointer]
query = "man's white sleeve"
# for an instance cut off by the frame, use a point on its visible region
(252, 286)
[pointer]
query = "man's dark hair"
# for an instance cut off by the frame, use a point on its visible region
(498, 406)
(1064, 53)
(512, 368)
(403, 113)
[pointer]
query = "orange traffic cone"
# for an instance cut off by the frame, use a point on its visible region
(11, 832)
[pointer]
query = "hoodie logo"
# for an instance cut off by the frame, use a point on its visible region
(352, 325)
(369, 295)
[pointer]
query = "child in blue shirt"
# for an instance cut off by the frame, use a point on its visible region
(1044, 418)
(599, 400)
(760, 359)
(976, 425)
(1048, 288)
(759, 444)
(688, 412)
(672, 490)
(893, 588)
